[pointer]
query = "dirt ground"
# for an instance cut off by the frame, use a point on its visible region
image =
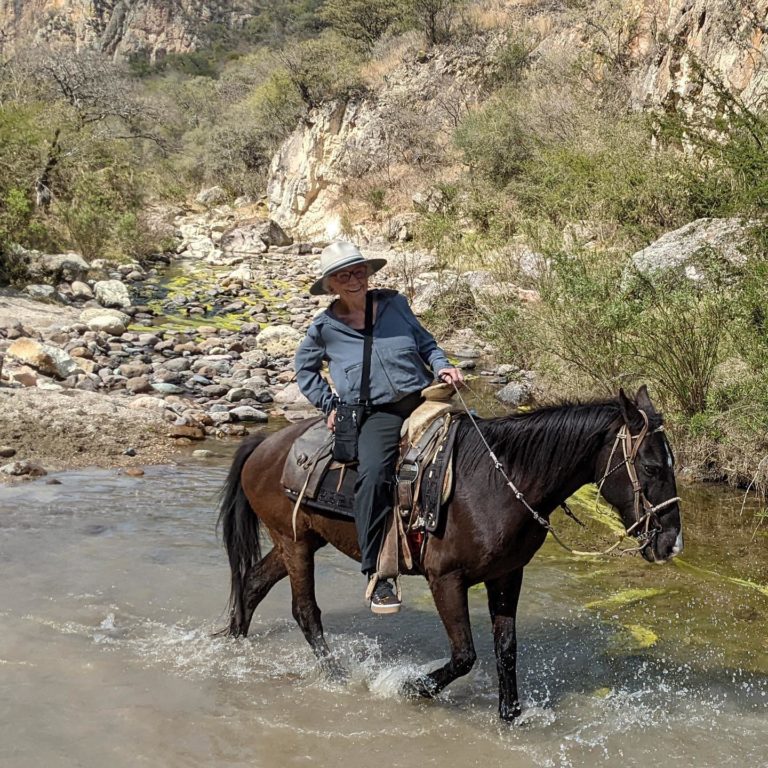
(70, 429)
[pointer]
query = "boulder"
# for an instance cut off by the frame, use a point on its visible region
(57, 267)
(26, 467)
(112, 293)
(107, 324)
(516, 393)
(212, 196)
(685, 250)
(81, 291)
(88, 314)
(49, 360)
(290, 395)
(280, 340)
(42, 293)
(254, 236)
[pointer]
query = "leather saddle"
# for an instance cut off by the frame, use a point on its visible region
(424, 475)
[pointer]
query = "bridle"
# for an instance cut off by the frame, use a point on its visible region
(647, 525)
(630, 446)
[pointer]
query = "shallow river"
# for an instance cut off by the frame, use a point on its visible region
(111, 586)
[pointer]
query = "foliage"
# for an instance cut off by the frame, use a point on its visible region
(321, 69)
(435, 18)
(362, 21)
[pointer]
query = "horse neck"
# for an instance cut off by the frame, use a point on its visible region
(572, 456)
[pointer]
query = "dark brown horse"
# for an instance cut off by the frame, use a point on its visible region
(489, 536)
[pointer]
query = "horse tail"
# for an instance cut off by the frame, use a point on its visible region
(240, 531)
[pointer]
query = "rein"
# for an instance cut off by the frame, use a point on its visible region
(630, 447)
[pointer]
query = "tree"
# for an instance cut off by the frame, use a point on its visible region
(364, 21)
(435, 18)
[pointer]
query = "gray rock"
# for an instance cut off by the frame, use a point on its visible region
(42, 292)
(57, 267)
(112, 293)
(24, 467)
(168, 389)
(107, 324)
(279, 340)
(88, 314)
(177, 364)
(515, 393)
(684, 249)
(81, 291)
(247, 413)
(239, 393)
(255, 358)
(212, 196)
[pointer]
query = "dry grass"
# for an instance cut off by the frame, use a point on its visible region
(388, 54)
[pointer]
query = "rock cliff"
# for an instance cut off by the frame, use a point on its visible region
(658, 43)
(153, 28)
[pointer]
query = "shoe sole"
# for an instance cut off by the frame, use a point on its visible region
(383, 610)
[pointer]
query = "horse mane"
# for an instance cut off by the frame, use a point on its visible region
(533, 446)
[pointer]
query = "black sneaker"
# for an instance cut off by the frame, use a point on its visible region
(384, 599)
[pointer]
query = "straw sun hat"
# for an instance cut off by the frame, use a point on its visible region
(341, 256)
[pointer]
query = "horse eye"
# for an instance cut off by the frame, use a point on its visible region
(651, 469)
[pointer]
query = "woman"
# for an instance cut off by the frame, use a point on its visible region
(401, 353)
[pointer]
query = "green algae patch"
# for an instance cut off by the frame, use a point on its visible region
(632, 638)
(625, 597)
(586, 502)
(746, 583)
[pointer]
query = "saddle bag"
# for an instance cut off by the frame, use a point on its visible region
(345, 432)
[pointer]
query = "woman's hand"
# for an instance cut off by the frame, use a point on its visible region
(451, 376)
(331, 420)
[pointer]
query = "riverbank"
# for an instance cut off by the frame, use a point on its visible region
(124, 365)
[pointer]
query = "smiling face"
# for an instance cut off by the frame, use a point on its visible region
(349, 284)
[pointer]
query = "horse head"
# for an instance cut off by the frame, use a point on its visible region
(636, 474)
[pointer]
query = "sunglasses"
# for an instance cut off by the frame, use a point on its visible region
(344, 277)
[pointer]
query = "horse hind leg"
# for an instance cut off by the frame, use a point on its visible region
(257, 582)
(299, 559)
(450, 595)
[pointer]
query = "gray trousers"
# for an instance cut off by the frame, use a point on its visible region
(377, 451)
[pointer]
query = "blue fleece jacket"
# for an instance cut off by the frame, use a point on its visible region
(402, 352)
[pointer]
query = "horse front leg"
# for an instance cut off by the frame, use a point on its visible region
(503, 594)
(450, 596)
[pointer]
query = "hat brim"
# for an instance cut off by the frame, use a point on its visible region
(374, 265)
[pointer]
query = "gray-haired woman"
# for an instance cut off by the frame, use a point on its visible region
(403, 352)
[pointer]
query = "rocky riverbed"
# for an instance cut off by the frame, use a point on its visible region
(107, 364)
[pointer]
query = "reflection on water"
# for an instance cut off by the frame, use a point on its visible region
(111, 587)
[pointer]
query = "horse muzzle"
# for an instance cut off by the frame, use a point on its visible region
(663, 546)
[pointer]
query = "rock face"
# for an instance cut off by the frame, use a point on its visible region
(307, 172)
(342, 140)
(724, 36)
(120, 28)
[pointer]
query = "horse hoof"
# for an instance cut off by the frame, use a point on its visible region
(333, 670)
(510, 714)
(418, 688)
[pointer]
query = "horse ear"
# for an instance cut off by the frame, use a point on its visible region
(629, 410)
(643, 400)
